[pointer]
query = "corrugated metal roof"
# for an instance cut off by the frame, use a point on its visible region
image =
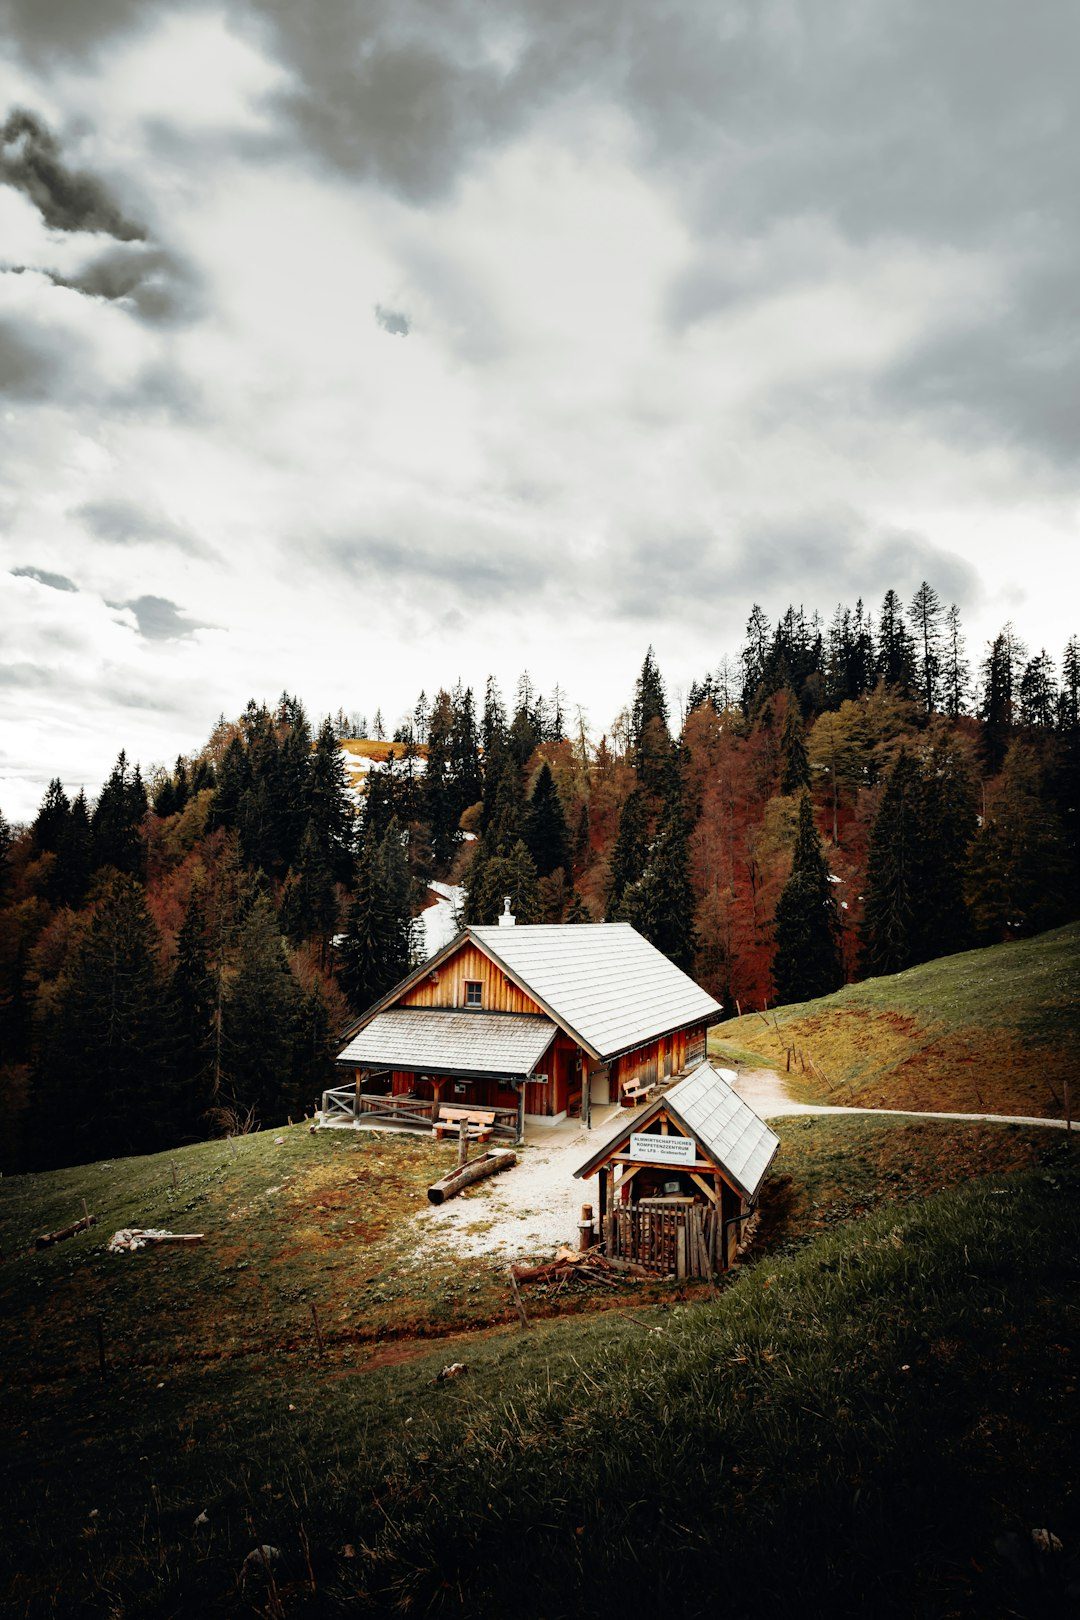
(728, 1130)
(725, 1125)
(437, 1040)
(603, 980)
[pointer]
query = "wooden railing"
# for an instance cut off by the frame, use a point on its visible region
(682, 1240)
(340, 1103)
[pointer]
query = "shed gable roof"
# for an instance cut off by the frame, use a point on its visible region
(730, 1134)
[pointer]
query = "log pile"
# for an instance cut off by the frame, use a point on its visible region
(130, 1238)
(577, 1270)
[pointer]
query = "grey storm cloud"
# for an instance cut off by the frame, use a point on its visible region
(158, 619)
(31, 364)
(56, 582)
(392, 321)
(152, 280)
(122, 522)
(67, 199)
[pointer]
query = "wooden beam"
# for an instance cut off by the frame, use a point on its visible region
(710, 1192)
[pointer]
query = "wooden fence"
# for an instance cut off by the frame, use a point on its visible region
(673, 1240)
(341, 1104)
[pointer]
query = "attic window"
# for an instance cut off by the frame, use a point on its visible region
(474, 993)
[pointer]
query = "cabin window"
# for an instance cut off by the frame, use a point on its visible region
(474, 993)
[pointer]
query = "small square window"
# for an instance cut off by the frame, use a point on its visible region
(474, 993)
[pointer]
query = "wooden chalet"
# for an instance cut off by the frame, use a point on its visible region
(680, 1179)
(527, 1022)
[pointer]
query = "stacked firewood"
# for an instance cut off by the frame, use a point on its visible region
(578, 1271)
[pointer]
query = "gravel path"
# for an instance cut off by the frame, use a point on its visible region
(767, 1095)
(529, 1210)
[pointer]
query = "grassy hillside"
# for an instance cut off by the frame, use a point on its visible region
(623, 1448)
(990, 1031)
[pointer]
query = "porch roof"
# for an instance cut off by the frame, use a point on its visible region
(437, 1040)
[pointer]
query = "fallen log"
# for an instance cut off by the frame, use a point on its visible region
(488, 1164)
(45, 1238)
(130, 1238)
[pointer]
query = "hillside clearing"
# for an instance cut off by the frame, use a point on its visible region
(990, 1031)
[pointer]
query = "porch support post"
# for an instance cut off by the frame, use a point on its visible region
(519, 1087)
(359, 1076)
(437, 1084)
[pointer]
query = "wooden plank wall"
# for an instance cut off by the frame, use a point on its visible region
(650, 1063)
(448, 989)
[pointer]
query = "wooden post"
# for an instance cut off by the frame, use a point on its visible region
(585, 1228)
(85, 1212)
(463, 1144)
(680, 1250)
(358, 1077)
(318, 1330)
(520, 1084)
(517, 1298)
(1068, 1111)
(172, 1167)
(100, 1331)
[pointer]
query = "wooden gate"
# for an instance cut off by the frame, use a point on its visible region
(684, 1240)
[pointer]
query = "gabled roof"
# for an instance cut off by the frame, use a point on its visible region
(727, 1130)
(445, 1041)
(603, 982)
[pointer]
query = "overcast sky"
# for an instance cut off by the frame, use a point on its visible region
(346, 347)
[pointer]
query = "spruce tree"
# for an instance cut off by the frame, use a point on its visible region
(260, 1019)
(73, 858)
(309, 906)
(1017, 883)
(117, 819)
(895, 655)
(440, 806)
(795, 766)
(48, 825)
(330, 806)
(752, 659)
(6, 840)
(892, 895)
(946, 826)
(998, 709)
(1038, 693)
(925, 617)
(193, 997)
(545, 825)
(376, 950)
(233, 781)
(496, 873)
(650, 739)
(577, 911)
(104, 1075)
(465, 773)
(956, 673)
(661, 904)
(807, 926)
(630, 853)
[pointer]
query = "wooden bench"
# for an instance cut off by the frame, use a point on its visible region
(636, 1093)
(478, 1123)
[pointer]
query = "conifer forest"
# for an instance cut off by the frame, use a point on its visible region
(834, 800)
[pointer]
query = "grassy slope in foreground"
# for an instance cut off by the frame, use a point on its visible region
(989, 1031)
(853, 1428)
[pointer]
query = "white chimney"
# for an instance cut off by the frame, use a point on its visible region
(507, 920)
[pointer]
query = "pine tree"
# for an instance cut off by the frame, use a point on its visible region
(73, 858)
(925, 616)
(117, 819)
(577, 911)
(752, 658)
(6, 841)
(309, 906)
(103, 1080)
(896, 655)
(331, 815)
(795, 768)
(233, 781)
(661, 904)
(465, 773)
(440, 808)
(956, 673)
(497, 873)
(545, 825)
(650, 739)
(48, 825)
(630, 853)
(946, 827)
(807, 925)
(997, 710)
(892, 895)
(1038, 693)
(193, 997)
(1019, 860)
(376, 949)
(259, 1025)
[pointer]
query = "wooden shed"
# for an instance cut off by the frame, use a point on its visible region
(535, 1021)
(679, 1180)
